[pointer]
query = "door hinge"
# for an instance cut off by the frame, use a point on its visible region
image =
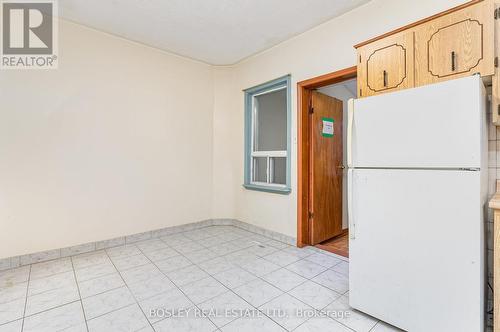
(311, 215)
(361, 92)
(310, 102)
(496, 13)
(498, 109)
(496, 62)
(360, 59)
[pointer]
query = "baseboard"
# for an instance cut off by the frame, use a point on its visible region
(38, 257)
(265, 232)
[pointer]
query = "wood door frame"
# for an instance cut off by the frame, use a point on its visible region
(304, 89)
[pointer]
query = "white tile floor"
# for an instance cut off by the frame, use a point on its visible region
(218, 278)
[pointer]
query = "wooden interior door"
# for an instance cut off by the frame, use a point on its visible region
(326, 169)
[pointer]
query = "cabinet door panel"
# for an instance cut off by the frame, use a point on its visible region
(386, 65)
(455, 45)
(386, 68)
(455, 49)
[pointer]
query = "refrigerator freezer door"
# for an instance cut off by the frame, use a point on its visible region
(416, 259)
(435, 126)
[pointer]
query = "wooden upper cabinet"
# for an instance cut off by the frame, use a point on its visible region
(386, 65)
(455, 45)
(452, 44)
(495, 87)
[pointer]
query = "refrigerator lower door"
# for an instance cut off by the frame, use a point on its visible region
(416, 258)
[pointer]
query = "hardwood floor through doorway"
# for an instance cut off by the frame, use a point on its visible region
(338, 245)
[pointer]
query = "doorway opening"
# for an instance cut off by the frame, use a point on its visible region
(322, 118)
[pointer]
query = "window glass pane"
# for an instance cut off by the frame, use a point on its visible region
(278, 170)
(259, 169)
(270, 121)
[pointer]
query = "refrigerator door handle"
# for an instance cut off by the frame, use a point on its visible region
(350, 217)
(350, 120)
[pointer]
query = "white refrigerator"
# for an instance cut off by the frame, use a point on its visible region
(417, 187)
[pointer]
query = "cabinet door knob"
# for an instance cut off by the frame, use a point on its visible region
(453, 64)
(385, 78)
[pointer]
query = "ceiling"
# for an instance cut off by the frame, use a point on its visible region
(338, 90)
(351, 86)
(218, 32)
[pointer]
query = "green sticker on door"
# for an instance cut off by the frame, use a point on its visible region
(327, 130)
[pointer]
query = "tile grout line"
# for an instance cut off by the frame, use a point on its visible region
(272, 299)
(286, 292)
(128, 305)
(152, 238)
(93, 278)
(316, 310)
(79, 294)
(61, 305)
(54, 260)
(232, 291)
(126, 285)
(43, 311)
(374, 326)
(26, 300)
(48, 290)
(178, 288)
(321, 310)
(206, 247)
(56, 306)
(210, 275)
(283, 292)
(328, 317)
(166, 276)
(257, 277)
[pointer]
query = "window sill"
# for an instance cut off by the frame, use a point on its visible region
(275, 190)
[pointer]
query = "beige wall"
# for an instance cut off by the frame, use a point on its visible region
(321, 50)
(116, 141)
(123, 138)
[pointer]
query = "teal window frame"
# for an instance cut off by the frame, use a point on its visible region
(284, 81)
